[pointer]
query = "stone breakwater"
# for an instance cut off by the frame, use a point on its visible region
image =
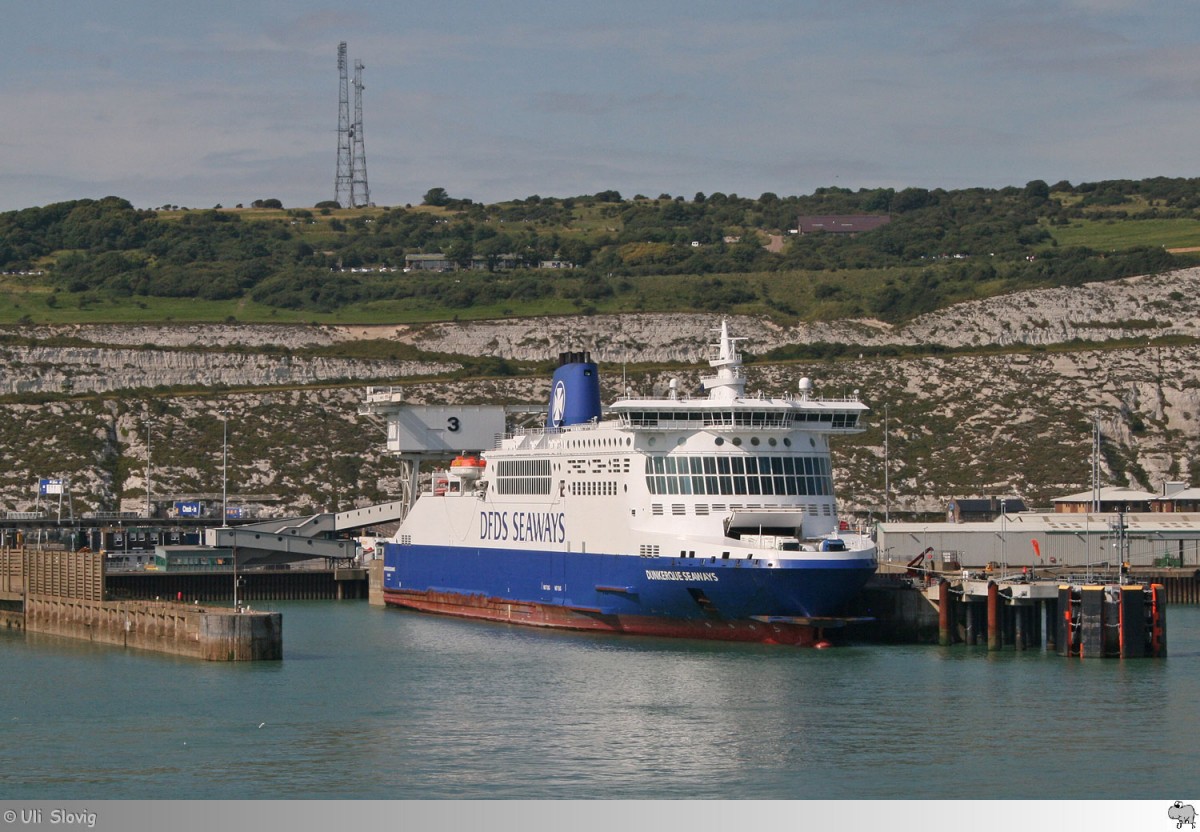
(196, 632)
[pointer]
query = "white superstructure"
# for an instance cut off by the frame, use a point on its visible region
(722, 476)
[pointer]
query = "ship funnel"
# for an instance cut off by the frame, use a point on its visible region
(574, 391)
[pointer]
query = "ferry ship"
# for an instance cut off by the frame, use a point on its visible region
(709, 517)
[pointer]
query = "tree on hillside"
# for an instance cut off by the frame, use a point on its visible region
(1037, 190)
(437, 197)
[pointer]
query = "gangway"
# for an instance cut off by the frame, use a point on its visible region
(291, 539)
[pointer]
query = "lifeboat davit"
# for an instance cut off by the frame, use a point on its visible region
(467, 467)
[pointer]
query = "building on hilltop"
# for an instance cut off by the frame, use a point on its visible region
(428, 263)
(439, 262)
(841, 224)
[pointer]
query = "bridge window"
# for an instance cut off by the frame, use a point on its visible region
(742, 475)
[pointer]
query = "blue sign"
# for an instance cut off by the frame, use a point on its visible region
(50, 487)
(188, 509)
(233, 514)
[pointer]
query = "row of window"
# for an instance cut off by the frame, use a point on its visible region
(615, 465)
(771, 475)
(604, 442)
(594, 489)
(708, 418)
(704, 509)
(737, 418)
(523, 485)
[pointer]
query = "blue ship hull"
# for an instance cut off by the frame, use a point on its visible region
(753, 600)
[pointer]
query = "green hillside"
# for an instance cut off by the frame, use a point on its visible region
(105, 261)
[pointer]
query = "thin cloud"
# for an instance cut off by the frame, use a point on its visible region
(235, 101)
(567, 103)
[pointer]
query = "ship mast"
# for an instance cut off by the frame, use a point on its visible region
(729, 384)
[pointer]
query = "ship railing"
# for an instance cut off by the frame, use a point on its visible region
(760, 396)
(537, 433)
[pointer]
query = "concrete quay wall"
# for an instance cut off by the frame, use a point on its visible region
(375, 583)
(196, 632)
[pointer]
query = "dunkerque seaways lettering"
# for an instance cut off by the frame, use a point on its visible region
(670, 575)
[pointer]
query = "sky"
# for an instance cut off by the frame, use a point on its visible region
(220, 102)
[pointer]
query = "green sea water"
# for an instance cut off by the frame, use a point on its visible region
(374, 703)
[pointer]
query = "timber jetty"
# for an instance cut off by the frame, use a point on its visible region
(1079, 616)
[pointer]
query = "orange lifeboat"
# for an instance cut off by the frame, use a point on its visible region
(467, 467)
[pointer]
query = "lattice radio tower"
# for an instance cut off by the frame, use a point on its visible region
(360, 194)
(350, 185)
(343, 183)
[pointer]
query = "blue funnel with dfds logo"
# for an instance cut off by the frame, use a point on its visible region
(574, 391)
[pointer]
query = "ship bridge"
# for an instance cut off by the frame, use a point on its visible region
(727, 407)
(822, 415)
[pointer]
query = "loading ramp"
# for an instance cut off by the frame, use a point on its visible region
(293, 539)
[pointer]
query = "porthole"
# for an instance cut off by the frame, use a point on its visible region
(737, 440)
(754, 440)
(772, 442)
(720, 440)
(787, 441)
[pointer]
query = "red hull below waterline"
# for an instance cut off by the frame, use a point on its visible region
(576, 618)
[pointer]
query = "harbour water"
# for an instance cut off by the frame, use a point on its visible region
(374, 703)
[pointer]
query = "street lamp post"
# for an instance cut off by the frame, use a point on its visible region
(225, 497)
(1004, 538)
(887, 489)
(224, 467)
(149, 511)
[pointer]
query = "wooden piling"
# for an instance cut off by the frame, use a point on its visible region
(944, 612)
(1131, 622)
(1091, 622)
(1049, 630)
(1066, 623)
(993, 616)
(1158, 621)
